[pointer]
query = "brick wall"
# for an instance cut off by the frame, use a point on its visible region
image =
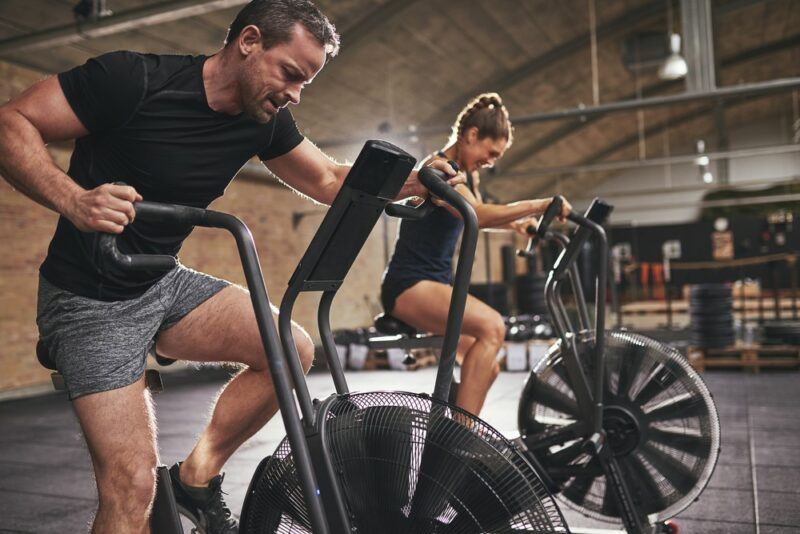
(25, 229)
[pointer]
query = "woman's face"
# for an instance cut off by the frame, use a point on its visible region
(481, 153)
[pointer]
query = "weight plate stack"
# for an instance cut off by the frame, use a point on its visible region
(711, 316)
(781, 333)
(530, 294)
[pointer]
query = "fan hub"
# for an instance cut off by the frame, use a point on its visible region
(622, 429)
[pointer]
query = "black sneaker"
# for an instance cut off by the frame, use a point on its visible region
(206, 504)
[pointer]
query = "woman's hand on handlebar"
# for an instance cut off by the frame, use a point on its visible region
(413, 187)
(566, 209)
(106, 208)
(521, 226)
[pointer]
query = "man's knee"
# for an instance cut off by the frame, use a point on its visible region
(305, 350)
(128, 485)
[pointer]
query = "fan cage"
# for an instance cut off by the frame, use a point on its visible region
(410, 464)
(686, 386)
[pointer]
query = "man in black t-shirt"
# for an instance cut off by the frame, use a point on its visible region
(174, 129)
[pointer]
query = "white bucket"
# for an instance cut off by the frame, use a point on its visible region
(358, 356)
(395, 357)
(516, 356)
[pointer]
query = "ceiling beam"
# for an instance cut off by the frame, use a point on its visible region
(617, 165)
(729, 91)
(706, 188)
(722, 203)
(504, 80)
(523, 153)
(697, 113)
(172, 10)
(126, 21)
(373, 23)
(582, 120)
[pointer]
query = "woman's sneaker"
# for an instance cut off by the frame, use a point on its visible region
(206, 504)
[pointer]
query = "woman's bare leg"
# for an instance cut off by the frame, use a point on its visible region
(425, 306)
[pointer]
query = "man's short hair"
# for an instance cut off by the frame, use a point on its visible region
(276, 19)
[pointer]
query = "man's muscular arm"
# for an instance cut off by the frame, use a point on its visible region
(41, 115)
(310, 171)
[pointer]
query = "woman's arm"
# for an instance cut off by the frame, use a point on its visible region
(501, 215)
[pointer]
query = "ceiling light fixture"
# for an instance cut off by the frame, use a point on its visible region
(702, 161)
(674, 66)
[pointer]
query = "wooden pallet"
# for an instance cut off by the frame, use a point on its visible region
(750, 357)
(751, 307)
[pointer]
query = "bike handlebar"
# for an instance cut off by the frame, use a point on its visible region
(151, 212)
(552, 211)
(405, 211)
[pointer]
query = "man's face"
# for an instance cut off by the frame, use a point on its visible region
(273, 78)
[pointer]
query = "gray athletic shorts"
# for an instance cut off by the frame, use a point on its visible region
(99, 346)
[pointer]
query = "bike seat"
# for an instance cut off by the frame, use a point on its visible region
(163, 361)
(44, 357)
(392, 326)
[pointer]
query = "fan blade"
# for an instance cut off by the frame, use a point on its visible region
(659, 379)
(687, 443)
(607, 393)
(629, 364)
(688, 406)
(567, 454)
(678, 474)
(577, 489)
(609, 506)
(551, 397)
(643, 488)
(561, 371)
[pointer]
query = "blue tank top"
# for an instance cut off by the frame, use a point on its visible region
(424, 248)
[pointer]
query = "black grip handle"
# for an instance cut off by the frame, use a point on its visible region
(133, 262)
(527, 252)
(553, 209)
(406, 211)
(151, 212)
(436, 182)
(170, 213)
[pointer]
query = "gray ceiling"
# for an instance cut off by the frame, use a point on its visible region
(411, 62)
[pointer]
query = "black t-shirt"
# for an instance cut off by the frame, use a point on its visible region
(151, 127)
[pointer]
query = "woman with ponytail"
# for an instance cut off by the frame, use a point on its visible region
(416, 286)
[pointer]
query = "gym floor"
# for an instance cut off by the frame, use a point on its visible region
(47, 484)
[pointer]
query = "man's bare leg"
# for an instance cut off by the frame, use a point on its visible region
(224, 329)
(120, 432)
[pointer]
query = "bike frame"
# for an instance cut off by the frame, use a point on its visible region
(588, 393)
(375, 179)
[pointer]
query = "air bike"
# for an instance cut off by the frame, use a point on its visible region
(616, 423)
(378, 462)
